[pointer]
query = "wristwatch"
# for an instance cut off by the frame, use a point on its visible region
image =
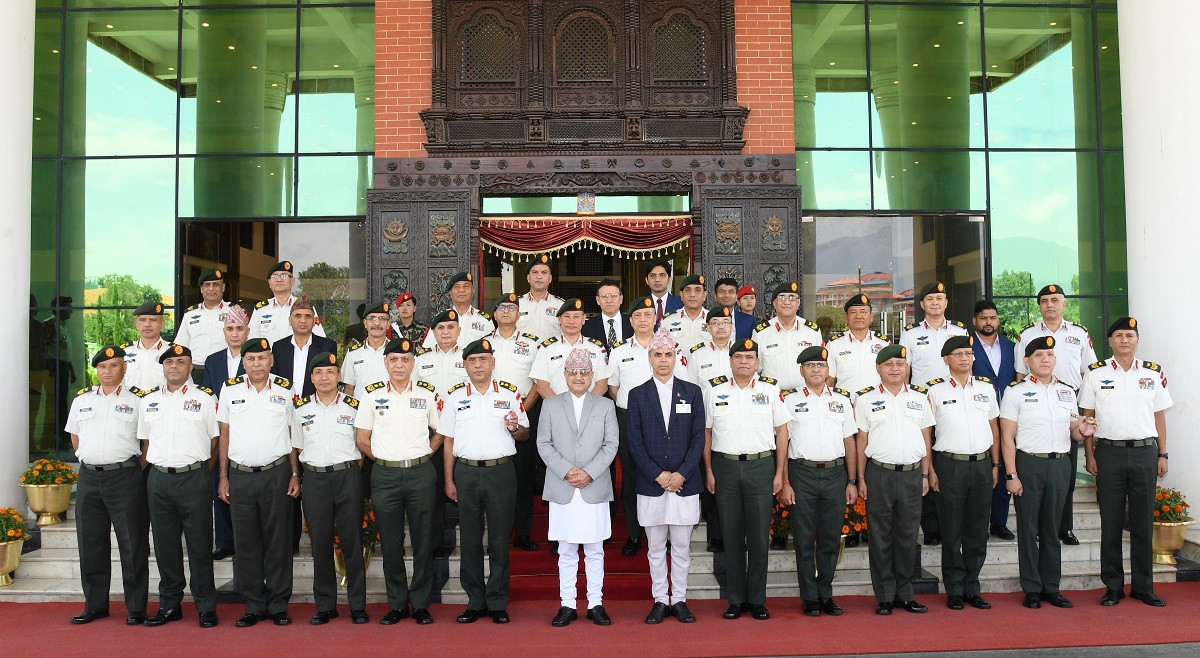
(1162, 455)
(995, 464)
(1010, 476)
(852, 481)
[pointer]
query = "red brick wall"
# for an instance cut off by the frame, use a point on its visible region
(403, 63)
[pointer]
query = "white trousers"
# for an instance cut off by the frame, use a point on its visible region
(681, 561)
(568, 572)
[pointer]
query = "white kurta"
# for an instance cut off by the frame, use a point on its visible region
(668, 509)
(581, 522)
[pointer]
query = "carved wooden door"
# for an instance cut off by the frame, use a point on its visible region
(752, 235)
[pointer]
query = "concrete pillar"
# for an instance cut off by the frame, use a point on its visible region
(1087, 188)
(885, 89)
(275, 92)
(364, 129)
(804, 94)
(1158, 115)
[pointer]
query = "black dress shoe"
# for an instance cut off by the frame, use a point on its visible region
(222, 553)
(631, 547)
(1056, 599)
(1149, 598)
(135, 620)
(164, 615)
(759, 611)
(657, 613)
(565, 616)
(883, 608)
(716, 545)
(1068, 538)
(812, 608)
(680, 611)
(955, 602)
(1032, 601)
(469, 615)
(208, 619)
(554, 547)
(88, 617)
(1112, 597)
(499, 616)
(323, 617)
(778, 543)
(736, 610)
(599, 616)
(830, 608)
(976, 601)
(359, 616)
(394, 617)
(1002, 532)
(422, 616)
(910, 606)
(249, 619)
(525, 543)
(933, 539)
(281, 619)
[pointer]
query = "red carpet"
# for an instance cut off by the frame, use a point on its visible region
(1006, 626)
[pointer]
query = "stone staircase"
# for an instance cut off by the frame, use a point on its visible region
(51, 571)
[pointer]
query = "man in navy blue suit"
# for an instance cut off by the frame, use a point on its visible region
(994, 360)
(610, 326)
(292, 353)
(666, 441)
(219, 367)
(658, 278)
(743, 323)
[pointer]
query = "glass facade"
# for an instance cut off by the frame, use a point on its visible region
(212, 133)
(1002, 110)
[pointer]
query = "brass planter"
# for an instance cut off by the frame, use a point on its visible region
(48, 501)
(339, 564)
(841, 550)
(10, 555)
(1168, 538)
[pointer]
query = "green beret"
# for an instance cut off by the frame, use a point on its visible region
(539, 259)
(256, 345)
(813, 353)
(857, 300)
(461, 276)
(106, 354)
(478, 346)
(1124, 322)
(377, 307)
(1051, 289)
(787, 286)
(448, 315)
(323, 360)
(572, 304)
(506, 298)
(400, 345)
(1042, 343)
(639, 304)
(173, 351)
(743, 346)
(361, 311)
(891, 352)
(936, 286)
(149, 308)
(956, 342)
(282, 266)
(692, 280)
(210, 274)
(719, 311)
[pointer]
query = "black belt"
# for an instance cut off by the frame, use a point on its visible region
(1046, 455)
(178, 469)
(896, 467)
(257, 469)
(401, 463)
(1136, 443)
(744, 458)
(329, 469)
(132, 461)
(830, 464)
(483, 462)
(959, 457)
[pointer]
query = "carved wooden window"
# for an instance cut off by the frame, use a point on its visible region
(583, 50)
(681, 50)
(488, 51)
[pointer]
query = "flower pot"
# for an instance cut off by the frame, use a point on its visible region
(48, 501)
(841, 549)
(10, 555)
(1168, 538)
(339, 563)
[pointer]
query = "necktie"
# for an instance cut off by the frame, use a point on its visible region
(612, 332)
(659, 316)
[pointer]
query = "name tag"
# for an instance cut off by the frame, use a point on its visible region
(277, 399)
(345, 420)
(191, 405)
(683, 408)
(417, 403)
(1065, 396)
(502, 404)
(759, 399)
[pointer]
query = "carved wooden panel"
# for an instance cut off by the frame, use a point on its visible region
(754, 231)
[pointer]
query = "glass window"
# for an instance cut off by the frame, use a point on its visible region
(832, 180)
(333, 185)
(249, 186)
(337, 79)
(929, 180)
(47, 63)
(43, 226)
(1110, 78)
(829, 65)
(1116, 267)
(329, 268)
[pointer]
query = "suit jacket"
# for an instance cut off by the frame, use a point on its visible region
(743, 325)
(597, 327)
(677, 448)
(983, 365)
(285, 355)
(590, 445)
(673, 303)
(216, 371)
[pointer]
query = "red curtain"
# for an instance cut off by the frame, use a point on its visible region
(643, 236)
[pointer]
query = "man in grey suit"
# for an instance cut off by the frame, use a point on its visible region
(577, 439)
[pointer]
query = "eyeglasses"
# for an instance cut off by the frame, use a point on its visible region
(279, 276)
(506, 307)
(814, 365)
(615, 295)
(576, 373)
(720, 323)
(787, 298)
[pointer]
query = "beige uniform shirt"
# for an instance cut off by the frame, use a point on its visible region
(924, 346)
(324, 434)
(779, 346)
(539, 318)
(963, 413)
(743, 420)
(1043, 412)
(475, 420)
(852, 361)
(819, 423)
(1125, 401)
(107, 425)
(893, 423)
(399, 420)
(179, 427)
(259, 421)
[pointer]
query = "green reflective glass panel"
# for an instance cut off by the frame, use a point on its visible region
(929, 180)
(1041, 78)
(925, 67)
(329, 266)
(829, 67)
(248, 186)
(43, 225)
(1116, 266)
(834, 180)
(47, 69)
(1039, 2)
(238, 70)
(1109, 65)
(1087, 198)
(332, 185)
(337, 79)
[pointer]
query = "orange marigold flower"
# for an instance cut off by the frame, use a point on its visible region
(22, 478)
(785, 514)
(12, 533)
(58, 480)
(1158, 496)
(845, 530)
(1178, 508)
(1166, 508)
(857, 527)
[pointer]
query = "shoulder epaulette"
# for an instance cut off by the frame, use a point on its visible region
(984, 378)
(191, 308)
(124, 345)
(353, 344)
(283, 381)
(262, 304)
(235, 380)
(1100, 364)
(531, 337)
(695, 347)
(762, 325)
(786, 392)
(205, 389)
(423, 351)
(919, 389)
(597, 343)
(618, 344)
(374, 387)
(456, 387)
(1027, 326)
(880, 336)
(427, 386)
(1013, 383)
(934, 382)
(351, 402)
(84, 390)
(504, 384)
(836, 335)
(1085, 329)
(960, 325)
(550, 341)
(300, 402)
(910, 326)
(769, 380)
(1150, 365)
(717, 381)
(486, 315)
(841, 391)
(864, 391)
(812, 325)
(140, 393)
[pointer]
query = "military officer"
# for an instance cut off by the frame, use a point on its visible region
(200, 328)
(706, 363)
(103, 426)
(1073, 354)
(894, 422)
(1038, 420)
(923, 340)
(260, 477)
(852, 353)
(687, 324)
(141, 356)
(481, 423)
(822, 476)
(406, 325)
(179, 424)
(474, 322)
(1128, 399)
(364, 361)
(270, 316)
(539, 308)
(782, 338)
(547, 371)
(323, 433)
(745, 456)
(394, 431)
(441, 366)
(966, 462)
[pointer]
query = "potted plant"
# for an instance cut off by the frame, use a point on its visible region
(47, 485)
(855, 524)
(370, 537)
(12, 536)
(1170, 524)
